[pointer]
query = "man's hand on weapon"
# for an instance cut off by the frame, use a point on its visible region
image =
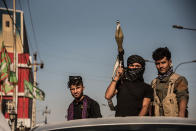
(119, 73)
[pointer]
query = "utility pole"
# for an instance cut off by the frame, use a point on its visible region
(35, 64)
(14, 108)
(34, 84)
(45, 114)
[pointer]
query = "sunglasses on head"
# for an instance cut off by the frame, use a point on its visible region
(75, 78)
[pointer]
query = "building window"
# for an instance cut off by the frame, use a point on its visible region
(7, 24)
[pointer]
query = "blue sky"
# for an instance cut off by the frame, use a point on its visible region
(76, 37)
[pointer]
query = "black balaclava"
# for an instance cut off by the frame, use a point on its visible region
(135, 73)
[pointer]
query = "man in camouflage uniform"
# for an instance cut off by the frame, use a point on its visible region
(170, 89)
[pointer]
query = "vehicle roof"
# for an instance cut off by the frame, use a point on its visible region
(117, 121)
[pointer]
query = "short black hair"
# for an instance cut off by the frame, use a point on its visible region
(160, 53)
(75, 80)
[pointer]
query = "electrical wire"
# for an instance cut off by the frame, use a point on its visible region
(33, 29)
(29, 42)
(26, 32)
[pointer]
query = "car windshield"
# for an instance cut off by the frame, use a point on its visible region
(132, 128)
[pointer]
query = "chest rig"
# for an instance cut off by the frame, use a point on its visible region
(169, 103)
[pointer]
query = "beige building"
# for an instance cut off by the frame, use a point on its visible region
(6, 30)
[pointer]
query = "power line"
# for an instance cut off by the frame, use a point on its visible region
(41, 65)
(33, 29)
(26, 32)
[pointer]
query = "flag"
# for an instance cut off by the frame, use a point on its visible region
(7, 77)
(5, 64)
(28, 89)
(12, 78)
(33, 92)
(7, 87)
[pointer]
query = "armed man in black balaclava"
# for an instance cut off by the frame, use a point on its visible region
(133, 94)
